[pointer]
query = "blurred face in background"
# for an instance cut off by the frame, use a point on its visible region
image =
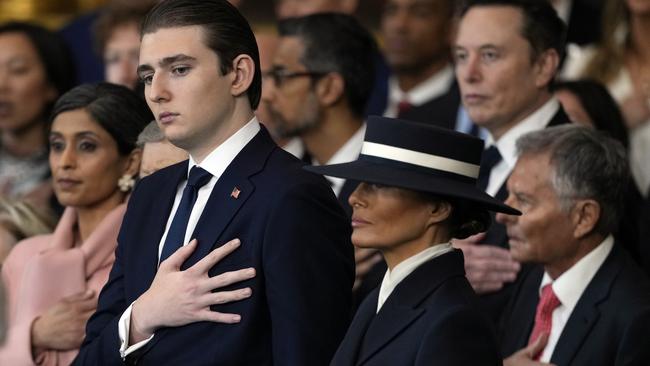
(158, 155)
(291, 95)
(121, 55)
(85, 161)
(24, 89)
(416, 33)
(297, 8)
(267, 43)
(638, 7)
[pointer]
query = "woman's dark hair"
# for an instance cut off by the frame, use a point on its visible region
(599, 105)
(466, 218)
(116, 108)
(53, 52)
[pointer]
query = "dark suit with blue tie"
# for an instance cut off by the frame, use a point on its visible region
(292, 231)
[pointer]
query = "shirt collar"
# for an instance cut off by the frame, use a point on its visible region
(563, 8)
(431, 88)
(571, 284)
(405, 268)
(347, 153)
(218, 160)
(537, 120)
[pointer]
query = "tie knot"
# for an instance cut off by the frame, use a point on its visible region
(491, 156)
(549, 301)
(198, 177)
(403, 106)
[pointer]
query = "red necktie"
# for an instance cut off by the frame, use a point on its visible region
(544, 315)
(403, 106)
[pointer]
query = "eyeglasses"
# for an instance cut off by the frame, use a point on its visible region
(280, 75)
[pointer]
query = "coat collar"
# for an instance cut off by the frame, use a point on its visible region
(403, 306)
(99, 247)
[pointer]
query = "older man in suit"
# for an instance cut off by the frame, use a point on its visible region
(199, 63)
(587, 303)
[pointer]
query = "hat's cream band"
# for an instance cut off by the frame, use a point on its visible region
(420, 159)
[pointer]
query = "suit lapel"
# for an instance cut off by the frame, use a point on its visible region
(522, 318)
(146, 251)
(586, 313)
(348, 351)
(229, 194)
(402, 308)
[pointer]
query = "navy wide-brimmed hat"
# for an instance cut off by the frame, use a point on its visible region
(419, 157)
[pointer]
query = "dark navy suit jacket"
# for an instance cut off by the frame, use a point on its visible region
(608, 327)
(431, 318)
(292, 231)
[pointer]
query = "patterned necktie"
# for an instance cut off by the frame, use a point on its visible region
(544, 315)
(176, 234)
(489, 159)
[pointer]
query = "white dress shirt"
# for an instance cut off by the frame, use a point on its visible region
(405, 268)
(507, 143)
(215, 163)
(569, 288)
(295, 147)
(435, 86)
(563, 9)
(347, 153)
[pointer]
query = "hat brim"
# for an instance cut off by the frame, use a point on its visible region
(367, 171)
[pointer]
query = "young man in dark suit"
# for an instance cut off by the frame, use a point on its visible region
(200, 66)
(586, 302)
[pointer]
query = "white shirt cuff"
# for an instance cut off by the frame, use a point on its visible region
(123, 330)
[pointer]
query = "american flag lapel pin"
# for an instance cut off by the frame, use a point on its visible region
(235, 193)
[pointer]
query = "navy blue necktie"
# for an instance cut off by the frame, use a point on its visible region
(176, 234)
(489, 159)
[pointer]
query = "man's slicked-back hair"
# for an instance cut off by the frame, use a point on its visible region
(542, 27)
(225, 30)
(335, 42)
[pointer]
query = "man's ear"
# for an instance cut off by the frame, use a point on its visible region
(330, 88)
(546, 67)
(243, 70)
(133, 161)
(585, 215)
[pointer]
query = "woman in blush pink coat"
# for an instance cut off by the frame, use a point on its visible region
(52, 281)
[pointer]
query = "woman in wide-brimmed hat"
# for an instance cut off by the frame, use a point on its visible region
(417, 191)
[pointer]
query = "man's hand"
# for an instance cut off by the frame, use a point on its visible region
(525, 356)
(487, 267)
(63, 326)
(177, 297)
(364, 260)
